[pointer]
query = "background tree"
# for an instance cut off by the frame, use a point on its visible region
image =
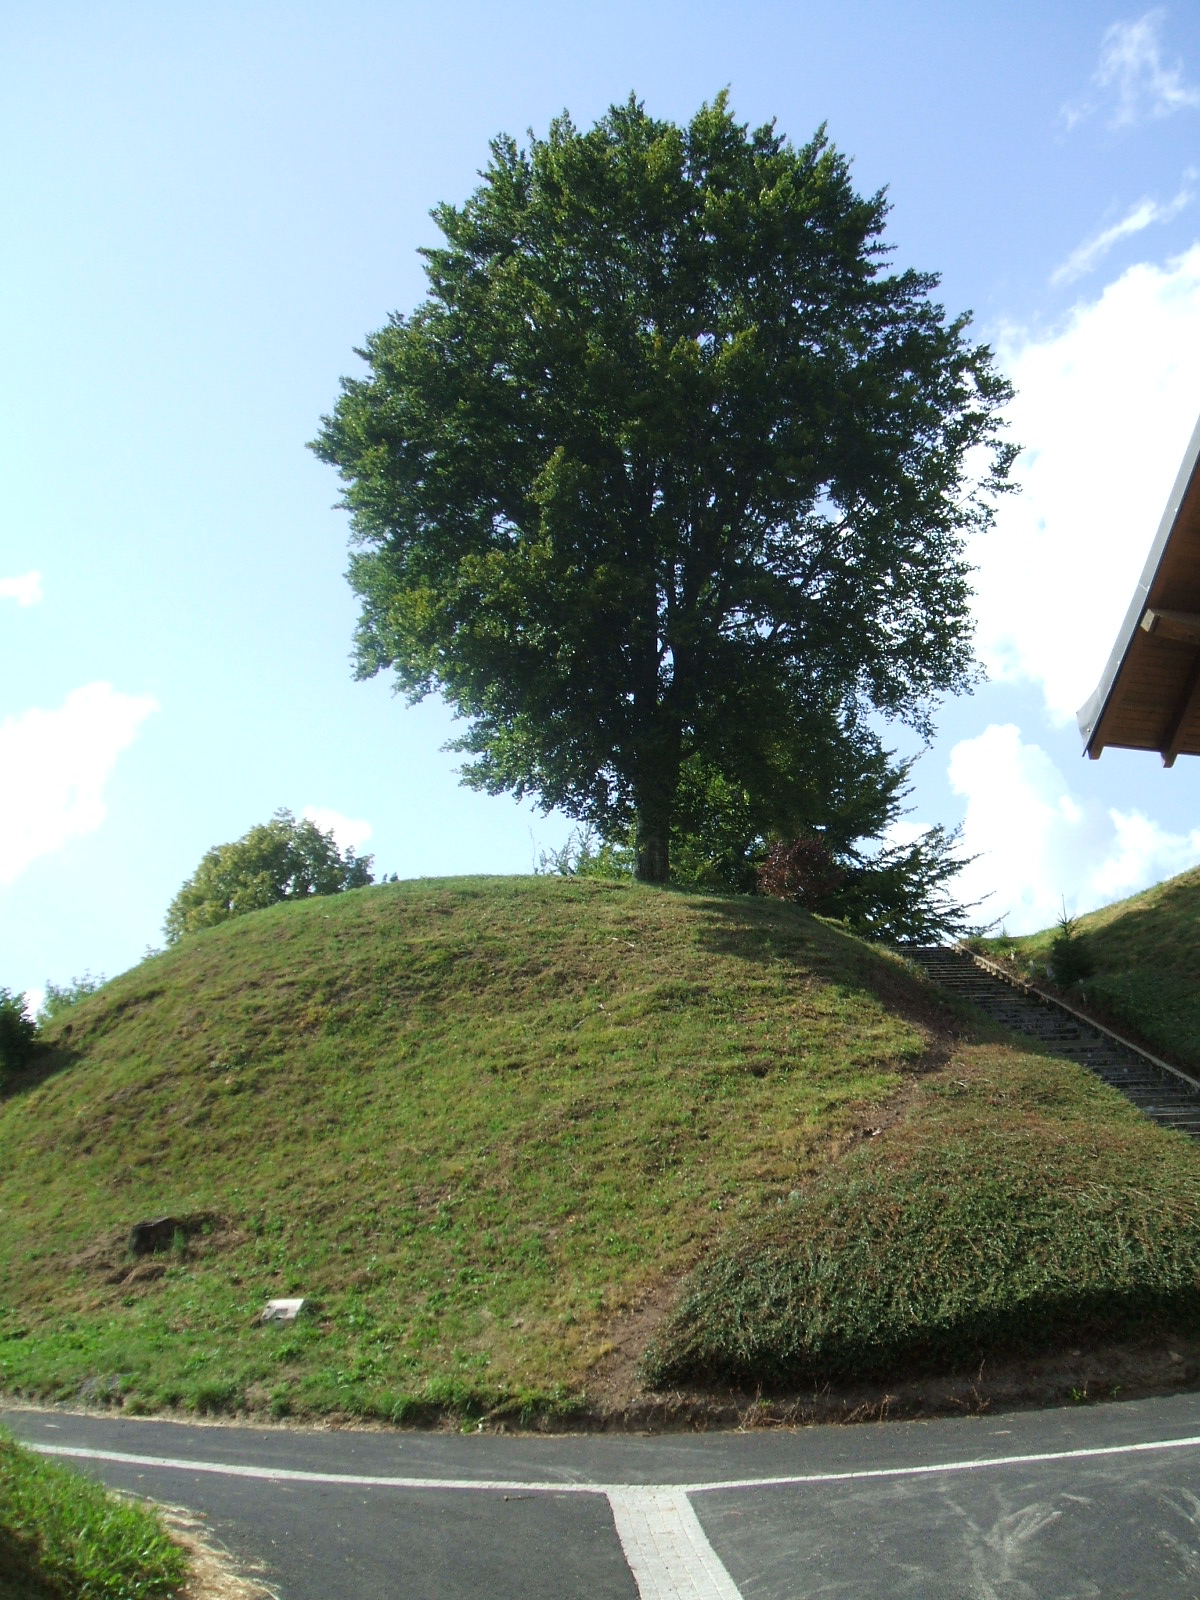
(665, 485)
(18, 1033)
(279, 860)
(899, 892)
(60, 997)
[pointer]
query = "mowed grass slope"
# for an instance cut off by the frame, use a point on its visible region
(475, 1120)
(471, 1119)
(1146, 955)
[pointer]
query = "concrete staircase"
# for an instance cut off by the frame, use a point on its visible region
(1163, 1093)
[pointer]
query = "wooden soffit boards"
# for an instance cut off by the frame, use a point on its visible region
(1149, 696)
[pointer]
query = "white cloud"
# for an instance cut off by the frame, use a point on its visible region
(25, 590)
(1133, 77)
(348, 832)
(1038, 846)
(1104, 408)
(1143, 853)
(53, 768)
(1142, 215)
(1131, 65)
(34, 999)
(1020, 823)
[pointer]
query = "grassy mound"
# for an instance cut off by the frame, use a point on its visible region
(63, 1537)
(1146, 957)
(470, 1119)
(1025, 1206)
(475, 1121)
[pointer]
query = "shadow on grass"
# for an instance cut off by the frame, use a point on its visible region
(46, 1062)
(20, 1578)
(751, 929)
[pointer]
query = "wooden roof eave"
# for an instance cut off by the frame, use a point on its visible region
(1092, 713)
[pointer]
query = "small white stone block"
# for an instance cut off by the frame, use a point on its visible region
(284, 1310)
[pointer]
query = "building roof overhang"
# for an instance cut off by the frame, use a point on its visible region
(1149, 695)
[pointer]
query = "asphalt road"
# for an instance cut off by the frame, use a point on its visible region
(1091, 1502)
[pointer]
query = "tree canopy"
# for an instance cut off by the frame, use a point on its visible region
(665, 485)
(279, 860)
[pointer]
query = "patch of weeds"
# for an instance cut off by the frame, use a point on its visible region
(63, 1535)
(214, 1395)
(61, 997)
(108, 1390)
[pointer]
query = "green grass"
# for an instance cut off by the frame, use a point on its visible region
(1146, 955)
(63, 1537)
(1022, 1205)
(471, 1119)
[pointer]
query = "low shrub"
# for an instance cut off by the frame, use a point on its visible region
(61, 997)
(1070, 955)
(801, 870)
(18, 1033)
(1069, 1220)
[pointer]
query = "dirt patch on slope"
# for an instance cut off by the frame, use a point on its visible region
(109, 1259)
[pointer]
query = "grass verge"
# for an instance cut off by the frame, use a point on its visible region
(63, 1537)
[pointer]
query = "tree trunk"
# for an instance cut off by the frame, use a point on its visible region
(654, 805)
(653, 851)
(658, 744)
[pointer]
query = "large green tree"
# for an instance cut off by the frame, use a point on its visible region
(669, 477)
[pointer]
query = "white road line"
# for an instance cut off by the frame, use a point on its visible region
(349, 1480)
(666, 1548)
(552, 1486)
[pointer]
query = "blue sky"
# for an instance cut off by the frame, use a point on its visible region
(206, 207)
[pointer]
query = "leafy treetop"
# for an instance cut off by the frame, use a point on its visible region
(279, 860)
(665, 485)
